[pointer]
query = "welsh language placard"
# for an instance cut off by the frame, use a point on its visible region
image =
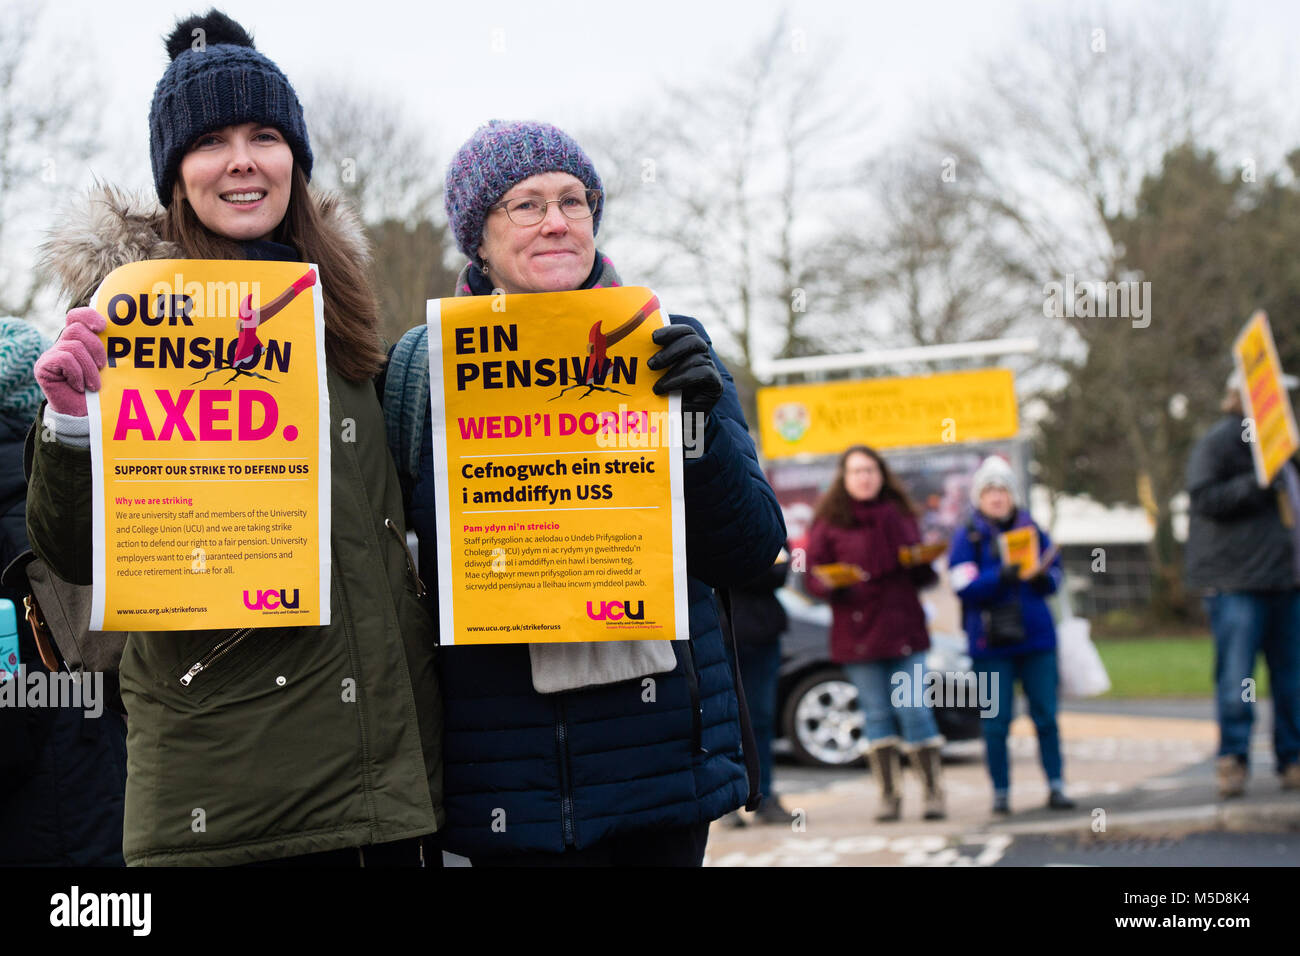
(559, 471)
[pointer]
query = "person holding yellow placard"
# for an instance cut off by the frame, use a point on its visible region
(259, 745)
(1003, 566)
(635, 746)
(864, 525)
(1243, 556)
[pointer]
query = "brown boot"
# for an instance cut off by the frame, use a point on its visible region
(930, 767)
(1291, 777)
(888, 769)
(1231, 774)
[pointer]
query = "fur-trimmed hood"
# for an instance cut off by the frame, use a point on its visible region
(108, 227)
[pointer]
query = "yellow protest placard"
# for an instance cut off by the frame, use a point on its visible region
(839, 574)
(915, 555)
(824, 419)
(210, 455)
(559, 471)
(1019, 546)
(1264, 399)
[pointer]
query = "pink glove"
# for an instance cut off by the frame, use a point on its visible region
(71, 365)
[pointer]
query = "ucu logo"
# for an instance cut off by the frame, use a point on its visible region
(270, 600)
(616, 611)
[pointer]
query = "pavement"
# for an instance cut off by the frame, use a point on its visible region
(1142, 773)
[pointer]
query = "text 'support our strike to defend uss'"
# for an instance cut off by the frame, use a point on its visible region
(210, 448)
(559, 471)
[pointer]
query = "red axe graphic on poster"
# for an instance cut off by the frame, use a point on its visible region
(251, 319)
(248, 349)
(596, 364)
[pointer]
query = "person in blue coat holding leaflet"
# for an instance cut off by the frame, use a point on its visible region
(1008, 622)
(556, 753)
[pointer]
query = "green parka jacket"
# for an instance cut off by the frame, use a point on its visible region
(289, 740)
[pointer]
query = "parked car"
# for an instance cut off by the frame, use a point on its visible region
(817, 706)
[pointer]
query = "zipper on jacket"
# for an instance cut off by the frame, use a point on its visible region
(420, 589)
(362, 703)
(211, 657)
(693, 685)
(566, 798)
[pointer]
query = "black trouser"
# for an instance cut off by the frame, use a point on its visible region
(397, 853)
(673, 846)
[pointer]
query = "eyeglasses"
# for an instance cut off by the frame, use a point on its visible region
(530, 210)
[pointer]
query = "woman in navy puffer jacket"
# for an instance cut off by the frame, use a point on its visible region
(603, 772)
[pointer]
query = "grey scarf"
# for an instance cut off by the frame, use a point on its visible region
(569, 666)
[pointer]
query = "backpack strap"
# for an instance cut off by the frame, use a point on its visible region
(406, 402)
(976, 540)
(748, 744)
(59, 616)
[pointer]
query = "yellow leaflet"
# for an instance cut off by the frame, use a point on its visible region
(1019, 546)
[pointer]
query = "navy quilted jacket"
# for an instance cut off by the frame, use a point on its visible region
(541, 772)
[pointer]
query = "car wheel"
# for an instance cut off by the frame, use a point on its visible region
(822, 720)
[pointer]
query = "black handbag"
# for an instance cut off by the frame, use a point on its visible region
(1003, 624)
(59, 615)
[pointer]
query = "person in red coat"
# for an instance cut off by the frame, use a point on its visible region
(862, 525)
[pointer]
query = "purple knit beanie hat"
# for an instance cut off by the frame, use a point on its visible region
(496, 157)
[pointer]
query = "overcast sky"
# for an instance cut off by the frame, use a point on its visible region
(568, 62)
(454, 65)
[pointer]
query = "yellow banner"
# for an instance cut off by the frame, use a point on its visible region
(824, 419)
(559, 471)
(210, 448)
(1264, 399)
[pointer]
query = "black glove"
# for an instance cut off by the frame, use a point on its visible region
(1041, 583)
(685, 356)
(1010, 574)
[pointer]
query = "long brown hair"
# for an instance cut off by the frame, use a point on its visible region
(836, 505)
(352, 345)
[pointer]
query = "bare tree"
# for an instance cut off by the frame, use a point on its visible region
(935, 263)
(1060, 131)
(1056, 143)
(47, 130)
(728, 190)
(369, 151)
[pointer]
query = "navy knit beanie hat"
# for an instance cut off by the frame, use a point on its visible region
(217, 79)
(20, 346)
(496, 157)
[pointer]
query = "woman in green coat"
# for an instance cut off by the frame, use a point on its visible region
(271, 743)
